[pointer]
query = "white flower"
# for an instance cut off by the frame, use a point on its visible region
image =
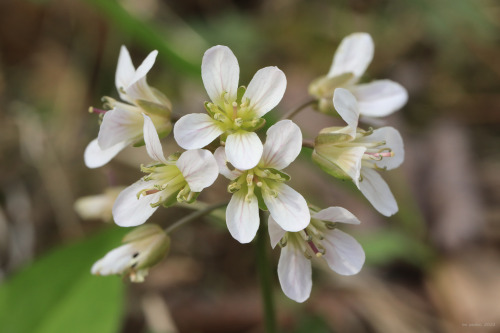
(322, 239)
(351, 153)
(234, 114)
(145, 246)
(122, 124)
(376, 99)
(97, 206)
(264, 185)
(179, 178)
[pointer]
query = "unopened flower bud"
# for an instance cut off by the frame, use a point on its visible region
(144, 247)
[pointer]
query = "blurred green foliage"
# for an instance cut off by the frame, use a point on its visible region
(57, 293)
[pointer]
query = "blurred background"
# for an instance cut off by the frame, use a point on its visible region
(433, 267)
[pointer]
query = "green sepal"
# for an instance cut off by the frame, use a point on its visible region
(332, 135)
(171, 200)
(260, 200)
(161, 96)
(281, 173)
(154, 108)
(158, 251)
(324, 86)
(239, 94)
(145, 230)
(329, 167)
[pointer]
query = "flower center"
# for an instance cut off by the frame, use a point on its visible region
(309, 240)
(168, 180)
(262, 178)
(234, 116)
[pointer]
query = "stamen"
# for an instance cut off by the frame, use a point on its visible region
(148, 192)
(158, 203)
(233, 187)
(331, 225)
(380, 155)
(249, 179)
(98, 111)
(238, 122)
(317, 252)
(235, 112)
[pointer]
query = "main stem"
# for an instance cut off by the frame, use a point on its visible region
(194, 216)
(265, 277)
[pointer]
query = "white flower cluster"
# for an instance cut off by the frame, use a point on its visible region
(224, 140)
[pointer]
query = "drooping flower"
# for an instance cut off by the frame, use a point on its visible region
(122, 125)
(234, 113)
(321, 239)
(264, 185)
(352, 153)
(376, 99)
(144, 247)
(97, 206)
(179, 178)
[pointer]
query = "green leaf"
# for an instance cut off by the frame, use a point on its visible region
(57, 293)
(386, 246)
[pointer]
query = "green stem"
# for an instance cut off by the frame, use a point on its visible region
(265, 277)
(193, 216)
(292, 113)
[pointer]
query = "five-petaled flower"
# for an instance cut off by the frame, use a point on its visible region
(320, 238)
(264, 185)
(352, 153)
(144, 247)
(376, 99)
(178, 178)
(234, 113)
(122, 124)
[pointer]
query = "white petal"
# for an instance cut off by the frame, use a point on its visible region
(220, 157)
(153, 144)
(243, 149)
(343, 254)
(336, 214)
(145, 67)
(95, 157)
(199, 168)
(349, 160)
(265, 90)
(393, 140)
(376, 190)
(119, 125)
(242, 217)
(347, 107)
(115, 261)
(276, 233)
(379, 98)
(220, 73)
(128, 211)
(353, 55)
(295, 274)
(283, 145)
(196, 130)
(138, 87)
(289, 209)
(125, 72)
